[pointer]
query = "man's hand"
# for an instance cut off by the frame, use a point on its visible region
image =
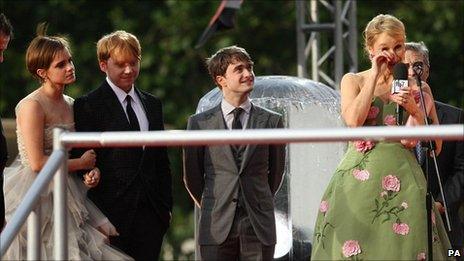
(92, 178)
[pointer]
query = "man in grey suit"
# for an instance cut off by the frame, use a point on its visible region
(234, 185)
(451, 159)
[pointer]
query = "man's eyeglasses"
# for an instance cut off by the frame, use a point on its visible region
(418, 64)
(417, 67)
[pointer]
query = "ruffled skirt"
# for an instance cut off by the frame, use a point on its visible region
(88, 228)
(374, 209)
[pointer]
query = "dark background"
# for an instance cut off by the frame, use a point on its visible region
(173, 69)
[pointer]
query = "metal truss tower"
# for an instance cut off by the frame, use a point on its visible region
(330, 66)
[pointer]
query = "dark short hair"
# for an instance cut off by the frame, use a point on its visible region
(5, 26)
(217, 64)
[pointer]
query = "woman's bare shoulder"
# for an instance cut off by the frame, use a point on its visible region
(28, 108)
(355, 80)
(31, 102)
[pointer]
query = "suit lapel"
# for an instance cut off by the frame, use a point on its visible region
(215, 120)
(114, 107)
(440, 113)
(257, 120)
(146, 108)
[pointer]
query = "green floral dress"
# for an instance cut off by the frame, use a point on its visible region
(374, 206)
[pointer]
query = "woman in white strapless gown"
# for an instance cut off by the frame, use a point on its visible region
(49, 60)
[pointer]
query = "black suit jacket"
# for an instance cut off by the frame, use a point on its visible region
(128, 175)
(3, 159)
(451, 167)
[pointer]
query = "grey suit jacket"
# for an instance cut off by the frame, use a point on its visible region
(213, 180)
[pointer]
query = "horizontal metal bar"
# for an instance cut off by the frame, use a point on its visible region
(30, 199)
(307, 28)
(257, 136)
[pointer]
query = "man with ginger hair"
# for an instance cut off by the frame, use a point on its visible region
(135, 187)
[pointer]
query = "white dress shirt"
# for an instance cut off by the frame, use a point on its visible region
(228, 115)
(136, 104)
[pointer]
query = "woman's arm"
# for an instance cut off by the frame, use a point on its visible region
(30, 119)
(416, 113)
(356, 102)
(85, 162)
(432, 113)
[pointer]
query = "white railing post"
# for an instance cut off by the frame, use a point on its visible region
(33, 233)
(60, 201)
(30, 201)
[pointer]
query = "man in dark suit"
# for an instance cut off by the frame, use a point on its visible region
(6, 31)
(235, 185)
(451, 158)
(135, 187)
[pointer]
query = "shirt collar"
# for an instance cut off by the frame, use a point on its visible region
(227, 108)
(120, 93)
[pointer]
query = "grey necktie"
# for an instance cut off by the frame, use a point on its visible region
(236, 123)
(237, 150)
(419, 153)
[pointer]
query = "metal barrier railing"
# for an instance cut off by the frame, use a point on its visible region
(57, 164)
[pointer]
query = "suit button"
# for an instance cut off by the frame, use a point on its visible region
(234, 200)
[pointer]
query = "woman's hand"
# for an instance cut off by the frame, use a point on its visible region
(88, 159)
(409, 144)
(440, 207)
(381, 60)
(92, 178)
(406, 100)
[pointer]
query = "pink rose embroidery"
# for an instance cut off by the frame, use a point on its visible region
(371, 123)
(364, 145)
(404, 205)
(351, 248)
(401, 228)
(373, 112)
(391, 183)
(421, 256)
(389, 120)
(324, 206)
(361, 175)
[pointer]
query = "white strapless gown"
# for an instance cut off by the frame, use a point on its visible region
(85, 241)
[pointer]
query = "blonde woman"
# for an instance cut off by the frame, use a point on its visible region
(374, 206)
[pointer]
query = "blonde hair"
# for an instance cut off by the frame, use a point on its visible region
(42, 50)
(118, 42)
(382, 23)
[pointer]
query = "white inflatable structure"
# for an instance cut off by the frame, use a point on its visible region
(304, 104)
